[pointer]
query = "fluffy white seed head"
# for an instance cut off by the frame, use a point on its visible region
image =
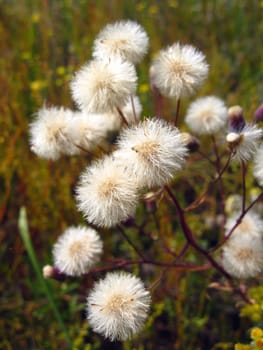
(88, 130)
(118, 306)
(126, 39)
(49, 133)
(251, 226)
(102, 85)
(106, 195)
(243, 257)
(179, 71)
(258, 166)
(77, 250)
(152, 151)
(245, 143)
(206, 115)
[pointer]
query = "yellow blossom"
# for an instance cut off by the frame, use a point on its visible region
(144, 88)
(256, 333)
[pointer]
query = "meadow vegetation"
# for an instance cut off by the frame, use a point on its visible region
(43, 42)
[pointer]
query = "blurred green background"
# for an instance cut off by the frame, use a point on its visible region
(42, 43)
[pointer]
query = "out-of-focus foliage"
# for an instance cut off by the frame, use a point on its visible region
(42, 43)
(254, 311)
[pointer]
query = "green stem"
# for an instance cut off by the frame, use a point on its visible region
(24, 232)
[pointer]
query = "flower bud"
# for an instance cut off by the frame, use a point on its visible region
(150, 201)
(191, 142)
(233, 138)
(130, 222)
(53, 272)
(236, 119)
(259, 114)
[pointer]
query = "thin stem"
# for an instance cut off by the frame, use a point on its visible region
(221, 185)
(166, 246)
(206, 157)
(159, 105)
(25, 235)
(239, 219)
(133, 110)
(168, 265)
(130, 242)
(191, 240)
(244, 169)
(84, 150)
(122, 116)
(177, 112)
(190, 237)
(183, 251)
(199, 200)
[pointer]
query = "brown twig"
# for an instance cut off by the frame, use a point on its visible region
(201, 198)
(122, 231)
(244, 170)
(239, 219)
(122, 116)
(176, 120)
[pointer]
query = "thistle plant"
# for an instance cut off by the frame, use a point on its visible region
(135, 162)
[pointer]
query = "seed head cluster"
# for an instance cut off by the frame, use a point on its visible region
(129, 154)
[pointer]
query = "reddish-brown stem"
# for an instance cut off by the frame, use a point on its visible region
(122, 231)
(191, 240)
(181, 254)
(84, 150)
(202, 196)
(220, 182)
(244, 169)
(122, 116)
(167, 265)
(190, 237)
(159, 105)
(239, 219)
(206, 157)
(166, 246)
(176, 120)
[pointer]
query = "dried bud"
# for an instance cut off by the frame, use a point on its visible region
(236, 118)
(48, 271)
(130, 222)
(150, 201)
(191, 142)
(151, 206)
(259, 114)
(233, 138)
(53, 272)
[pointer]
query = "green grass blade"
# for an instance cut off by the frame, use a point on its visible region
(23, 229)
